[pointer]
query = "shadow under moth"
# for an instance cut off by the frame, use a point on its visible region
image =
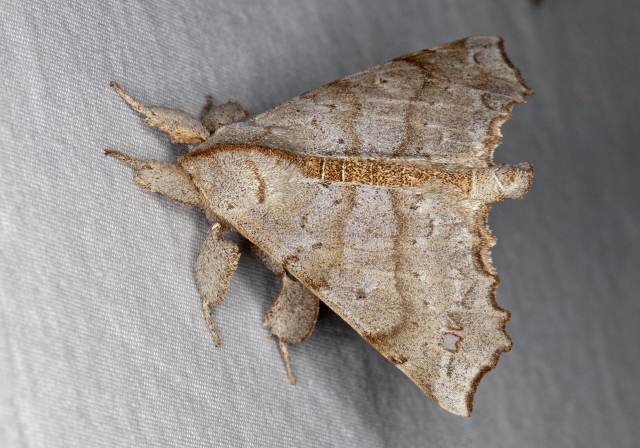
(370, 193)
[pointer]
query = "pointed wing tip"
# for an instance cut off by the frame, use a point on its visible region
(462, 407)
(462, 403)
(456, 396)
(527, 90)
(498, 43)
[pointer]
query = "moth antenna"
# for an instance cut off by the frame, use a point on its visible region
(138, 107)
(136, 163)
(287, 362)
(206, 307)
(208, 104)
(179, 125)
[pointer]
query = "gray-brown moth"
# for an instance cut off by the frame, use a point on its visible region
(371, 194)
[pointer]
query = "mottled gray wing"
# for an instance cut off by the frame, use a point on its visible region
(445, 104)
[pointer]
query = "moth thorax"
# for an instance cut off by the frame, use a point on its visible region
(241, 177)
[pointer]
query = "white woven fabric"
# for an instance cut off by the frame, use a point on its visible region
(102, 340)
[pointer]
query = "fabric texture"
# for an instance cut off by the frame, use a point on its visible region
(102, 338)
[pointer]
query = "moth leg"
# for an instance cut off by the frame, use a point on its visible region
(181, 127)
(292, 316)
(214, 117)
(162, 177)
(216, 264)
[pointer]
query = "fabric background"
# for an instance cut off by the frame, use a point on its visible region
(102, 339)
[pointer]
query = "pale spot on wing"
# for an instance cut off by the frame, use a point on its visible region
(450, 342)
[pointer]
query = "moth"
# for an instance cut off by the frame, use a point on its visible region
(370, 194)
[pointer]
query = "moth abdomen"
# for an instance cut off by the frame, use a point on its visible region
(490, 184)
(384, 172)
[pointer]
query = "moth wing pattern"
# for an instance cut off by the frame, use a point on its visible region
(410, 271)
(445, 104)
